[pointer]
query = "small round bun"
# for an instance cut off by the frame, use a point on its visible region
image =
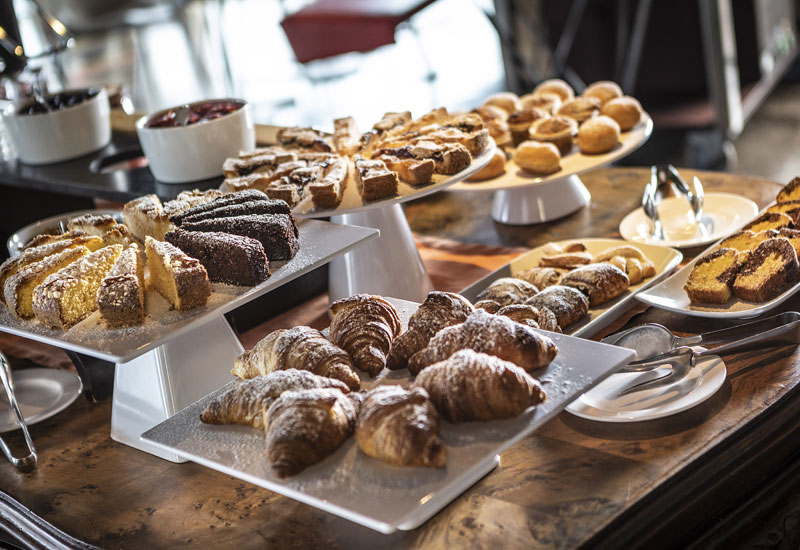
(625, 110)
(496, 167)
(604, 90)
(546, 101)
(508, 101)
(598, 135)
(538, 157)
(557, 130)
(580, 108)
(489, 112)
(556, 86)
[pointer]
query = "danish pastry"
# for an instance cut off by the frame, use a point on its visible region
(568, 304)
(600, 282)
(508, 290)
(541, 277)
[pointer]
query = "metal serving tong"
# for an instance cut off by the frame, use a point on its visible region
(657, 347)
(666, 174)
(27, 463)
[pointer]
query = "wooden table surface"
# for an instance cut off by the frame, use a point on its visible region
(574, 482)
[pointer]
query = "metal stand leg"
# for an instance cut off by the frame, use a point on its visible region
(541, 203)
(158, 384)
(389, 266)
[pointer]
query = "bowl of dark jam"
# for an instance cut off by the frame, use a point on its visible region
(191, 142)
(61, 126)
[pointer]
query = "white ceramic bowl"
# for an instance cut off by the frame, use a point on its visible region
(196, 151)
(63, 134)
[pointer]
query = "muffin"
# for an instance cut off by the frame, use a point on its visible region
(580, 108)
(555, 86)
(598, 135)
(519, 122)
(508, 101)
(538, 157)
(545, 101)
(604, 90)
(625, 110)
(495, 120)
(557, 130)
(495, 168)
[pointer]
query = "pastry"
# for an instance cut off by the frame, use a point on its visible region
(281, 155)
(19, 287)
(305, 426)
(541, 277)
(248, 400)
(277, 233)
(580, 109)
(790, 192)
(711, 277)
(598, 135)
(374, 180)
(448, 158)
(538, 157)
(400, 427)
(230, 259)
(604, 90)
(303, 138)
(769, 220)
(555, 86)
(546, 101)
(120, 298)
(769, 270)
(47, 238)
(119, 234)
(180, 279)
(494, 118)
(475, 386)
(625, 110)
(558, 130)
(566, 259)
(364, 326)
(489, 306)
(495, 168)
(92, 224)
(629, 259)
(519, 122)
(258, 181)
(599, 282)
(568, 304)
(327, 190)
(747, 240)
(259, 204)
(202, 211)
(508, 290)
(520, 313)
(301, 348)
(508, 101)
(410, 170)
(487, 333)
(345, 135)
(793, 235)
(439, 310)
(790, 208)
(145, 216)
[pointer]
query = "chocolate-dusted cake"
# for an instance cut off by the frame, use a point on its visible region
(276, 232)
(179, 278)
(121, 295)
(257, 206)
(225, 200)
(231, 259)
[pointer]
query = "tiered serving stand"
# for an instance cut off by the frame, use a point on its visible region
(175, 358)
(522, 198)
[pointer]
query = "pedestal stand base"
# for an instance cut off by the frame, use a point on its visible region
(158, 384)
(388, 266)
(540, 203)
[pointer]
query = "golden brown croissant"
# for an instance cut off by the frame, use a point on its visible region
(302, 348)
(246, 401)
(400, 427)
(476, 386)
(508, 290)
(364, 326)
(304, 427)
(439, 310)
(487, 333)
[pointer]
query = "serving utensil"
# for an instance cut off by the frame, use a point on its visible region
(26, 463)
(649, 205)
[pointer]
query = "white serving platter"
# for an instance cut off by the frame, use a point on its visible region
(319, 243)
(665, 260)
(367, 491)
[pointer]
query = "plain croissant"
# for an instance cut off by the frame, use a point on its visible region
(439, 310)
(475, 386)
(304, 427)
(400, 427)
(364, 326)
(486, 333)
(246, 401)
(302, 348)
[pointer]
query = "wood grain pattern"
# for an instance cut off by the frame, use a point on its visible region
(572, 483)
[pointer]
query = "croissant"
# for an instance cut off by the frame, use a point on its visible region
(246, 402)
(364, 326)
(535, 317)
(439, 310)
(304, 427)
(508, 290)
(487, 333)
(400, 427)
(302, 348)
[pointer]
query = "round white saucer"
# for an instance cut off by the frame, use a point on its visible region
(604, 404)
(41, 393)
(723, 213)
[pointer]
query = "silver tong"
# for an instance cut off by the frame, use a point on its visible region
(666, 174)
(26, 463)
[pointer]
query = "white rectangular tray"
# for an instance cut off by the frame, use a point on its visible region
(665, 260)
(372, 493)
(319, 243)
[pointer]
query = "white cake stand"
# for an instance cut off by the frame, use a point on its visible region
(523, 198)
(391, 265)
(175, 358)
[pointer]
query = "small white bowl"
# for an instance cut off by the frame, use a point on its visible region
(63, 134)
(180, 154)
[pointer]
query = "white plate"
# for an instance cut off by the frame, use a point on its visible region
(723, 213)
(370, 492)
(53, 224)
(41, 393)
(604, 404)
(665, 260)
